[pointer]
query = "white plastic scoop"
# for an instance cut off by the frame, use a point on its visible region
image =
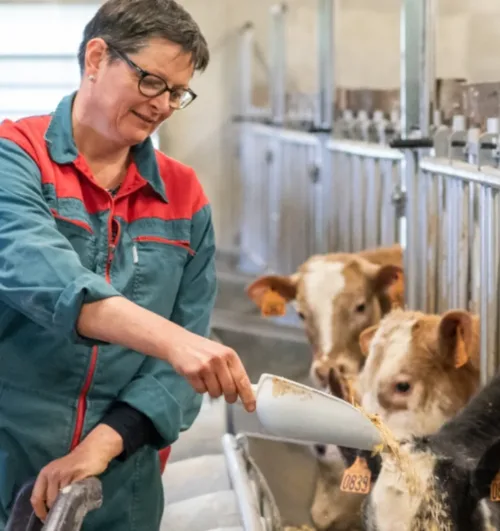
(290, 410)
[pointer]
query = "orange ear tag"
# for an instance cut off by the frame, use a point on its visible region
(461, 357)
(273, 304)
(495, 489)
(357, 478)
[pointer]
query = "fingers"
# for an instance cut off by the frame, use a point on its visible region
(227, 383)
(212, 383)
(197, 383)
(222, 375)
(39, 495)
(52, 490)
(218, 370)
(243, 384)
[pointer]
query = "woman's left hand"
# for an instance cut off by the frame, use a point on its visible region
(90, 458)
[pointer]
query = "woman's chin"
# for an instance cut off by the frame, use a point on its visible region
(137, 136)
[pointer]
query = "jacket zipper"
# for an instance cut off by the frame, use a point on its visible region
(82, 399)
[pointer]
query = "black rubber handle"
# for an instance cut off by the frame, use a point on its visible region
(411, 143)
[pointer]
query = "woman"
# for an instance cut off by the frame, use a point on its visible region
(107, 276)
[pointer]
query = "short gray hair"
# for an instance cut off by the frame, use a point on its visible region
(128, 25)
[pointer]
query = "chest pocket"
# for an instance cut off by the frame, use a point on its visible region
(81, 236)
(159, 264)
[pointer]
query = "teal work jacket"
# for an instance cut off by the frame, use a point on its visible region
(65, 241)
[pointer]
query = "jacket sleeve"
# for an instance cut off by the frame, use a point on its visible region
(158, 391)
(41, 275)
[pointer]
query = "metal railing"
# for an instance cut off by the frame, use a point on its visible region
(281, 203)
(453, 251)
(362, 201)
(257, 506)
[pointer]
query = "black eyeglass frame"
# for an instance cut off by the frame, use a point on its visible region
(144, 73)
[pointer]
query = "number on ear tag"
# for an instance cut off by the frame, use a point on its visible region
(357, 478)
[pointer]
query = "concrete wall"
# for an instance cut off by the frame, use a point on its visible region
(367, 55)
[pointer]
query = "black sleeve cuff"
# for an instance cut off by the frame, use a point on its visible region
(135, 428)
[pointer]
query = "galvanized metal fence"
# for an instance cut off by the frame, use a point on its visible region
(305, 195)
(281, 201)
(364, 182)
(453, 252)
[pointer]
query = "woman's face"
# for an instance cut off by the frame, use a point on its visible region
(120, 112)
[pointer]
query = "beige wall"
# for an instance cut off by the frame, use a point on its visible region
(367, 55)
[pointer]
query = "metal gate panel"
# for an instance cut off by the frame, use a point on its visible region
(258, 155)
(360, 212)
(295, 200)
(456, 248)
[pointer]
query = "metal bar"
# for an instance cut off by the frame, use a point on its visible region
(417, 38)
(245, 69)
(464, 244)
(247, 503)
(357, 197)
(443, 257)
(278, 64)
(412, 287)
(486, 261)
(326, 79)
(73, 504)
(372, 201)
(274, 189)
(463, 171)
(68, 512)
(365, 149)
(287, 135)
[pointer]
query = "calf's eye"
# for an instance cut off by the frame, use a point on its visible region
(360, 308)
(402, 387)
(301, 315)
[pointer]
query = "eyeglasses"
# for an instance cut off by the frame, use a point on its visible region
(151, 85)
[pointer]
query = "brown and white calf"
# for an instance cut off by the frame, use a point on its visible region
(458, 468)
(338, 295)
(420, 371)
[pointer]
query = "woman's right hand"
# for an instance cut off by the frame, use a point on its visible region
(212, 367)
(207, 365)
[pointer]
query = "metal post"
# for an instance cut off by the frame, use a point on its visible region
(417, 66)
(245, 64)
(278, 64)
(248, 504)
(326, 78)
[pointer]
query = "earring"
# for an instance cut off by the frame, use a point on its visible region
(91, 78)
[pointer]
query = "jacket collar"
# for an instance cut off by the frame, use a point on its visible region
(62, 148)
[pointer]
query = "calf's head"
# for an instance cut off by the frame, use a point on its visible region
(455, 466)
(420, 369)
(337, 296)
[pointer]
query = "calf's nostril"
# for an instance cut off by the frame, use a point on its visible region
(320, 449)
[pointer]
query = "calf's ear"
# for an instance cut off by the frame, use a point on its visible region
(389, 281)
(455, 337)
(485, 471)
(365, 339)
(286, 286)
